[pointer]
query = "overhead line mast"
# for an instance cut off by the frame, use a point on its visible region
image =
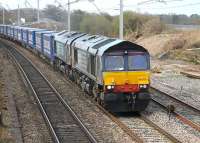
(38, 10)
(121, 21)
(69, 12)
(18, 16)
(3, 15)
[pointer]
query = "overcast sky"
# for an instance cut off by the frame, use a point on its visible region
(111, 6)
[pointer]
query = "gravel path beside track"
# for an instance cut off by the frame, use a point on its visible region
(9, 124)
(31, 124)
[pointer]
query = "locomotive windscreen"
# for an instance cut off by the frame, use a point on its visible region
(127, 62)
(114, 63)
(137, 62)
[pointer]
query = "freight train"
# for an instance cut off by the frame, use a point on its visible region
(114, 72)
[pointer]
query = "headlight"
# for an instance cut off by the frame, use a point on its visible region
(109, 87)
(143, 86)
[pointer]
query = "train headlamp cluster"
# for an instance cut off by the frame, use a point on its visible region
(144, 86)
(110, 87)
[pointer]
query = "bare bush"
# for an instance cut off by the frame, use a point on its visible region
(153, 26)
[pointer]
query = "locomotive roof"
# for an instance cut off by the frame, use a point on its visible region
(92, 43)
(63, 38)
(121, 44)
(62, 32)
(96, 44)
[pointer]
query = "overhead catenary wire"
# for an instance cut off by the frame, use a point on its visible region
(179, 6)
(136, 5)
(98, 9)
(157, 1)
(157, 8)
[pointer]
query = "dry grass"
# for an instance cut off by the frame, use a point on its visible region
(192, 39)
(175, 45)
(189, 56)
(189, 52)
(156, 69)
(153, 26)
(162, 43)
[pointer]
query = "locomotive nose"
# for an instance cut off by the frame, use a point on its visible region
(126, 77)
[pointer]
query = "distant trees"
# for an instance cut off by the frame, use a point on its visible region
(96, 24)
(180, 19)
(105, 24)
(139, 24)
(55, 13)
(77, 17)
(134, 24)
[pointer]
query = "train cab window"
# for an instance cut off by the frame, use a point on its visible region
(114, 63)
(137, 62)
(93, 64)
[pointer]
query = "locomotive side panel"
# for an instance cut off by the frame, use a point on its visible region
(60, 50)
(81, 60)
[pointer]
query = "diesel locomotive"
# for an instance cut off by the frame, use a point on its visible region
(115, 72)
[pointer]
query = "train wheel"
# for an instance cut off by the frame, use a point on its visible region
(67, 72)
(94, 91)
(77, 79)
(95, 99)
(98, 100)
(95, 94)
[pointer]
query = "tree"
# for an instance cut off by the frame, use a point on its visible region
(55, 13)
(96, 24)
(76, 18)
(133, 23)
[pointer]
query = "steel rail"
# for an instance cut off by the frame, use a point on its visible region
(162, 131)
(178, 115)
(176, 99)
(125, 128)
(66, 105)
(20, 69)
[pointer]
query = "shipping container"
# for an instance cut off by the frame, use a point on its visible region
(48, 45)
(32, 37)
(39, 40)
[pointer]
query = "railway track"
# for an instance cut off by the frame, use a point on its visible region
(151, 131)
(183, 111)
(62, 121)
(137, 133)
(183, 95)
(146, 129)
